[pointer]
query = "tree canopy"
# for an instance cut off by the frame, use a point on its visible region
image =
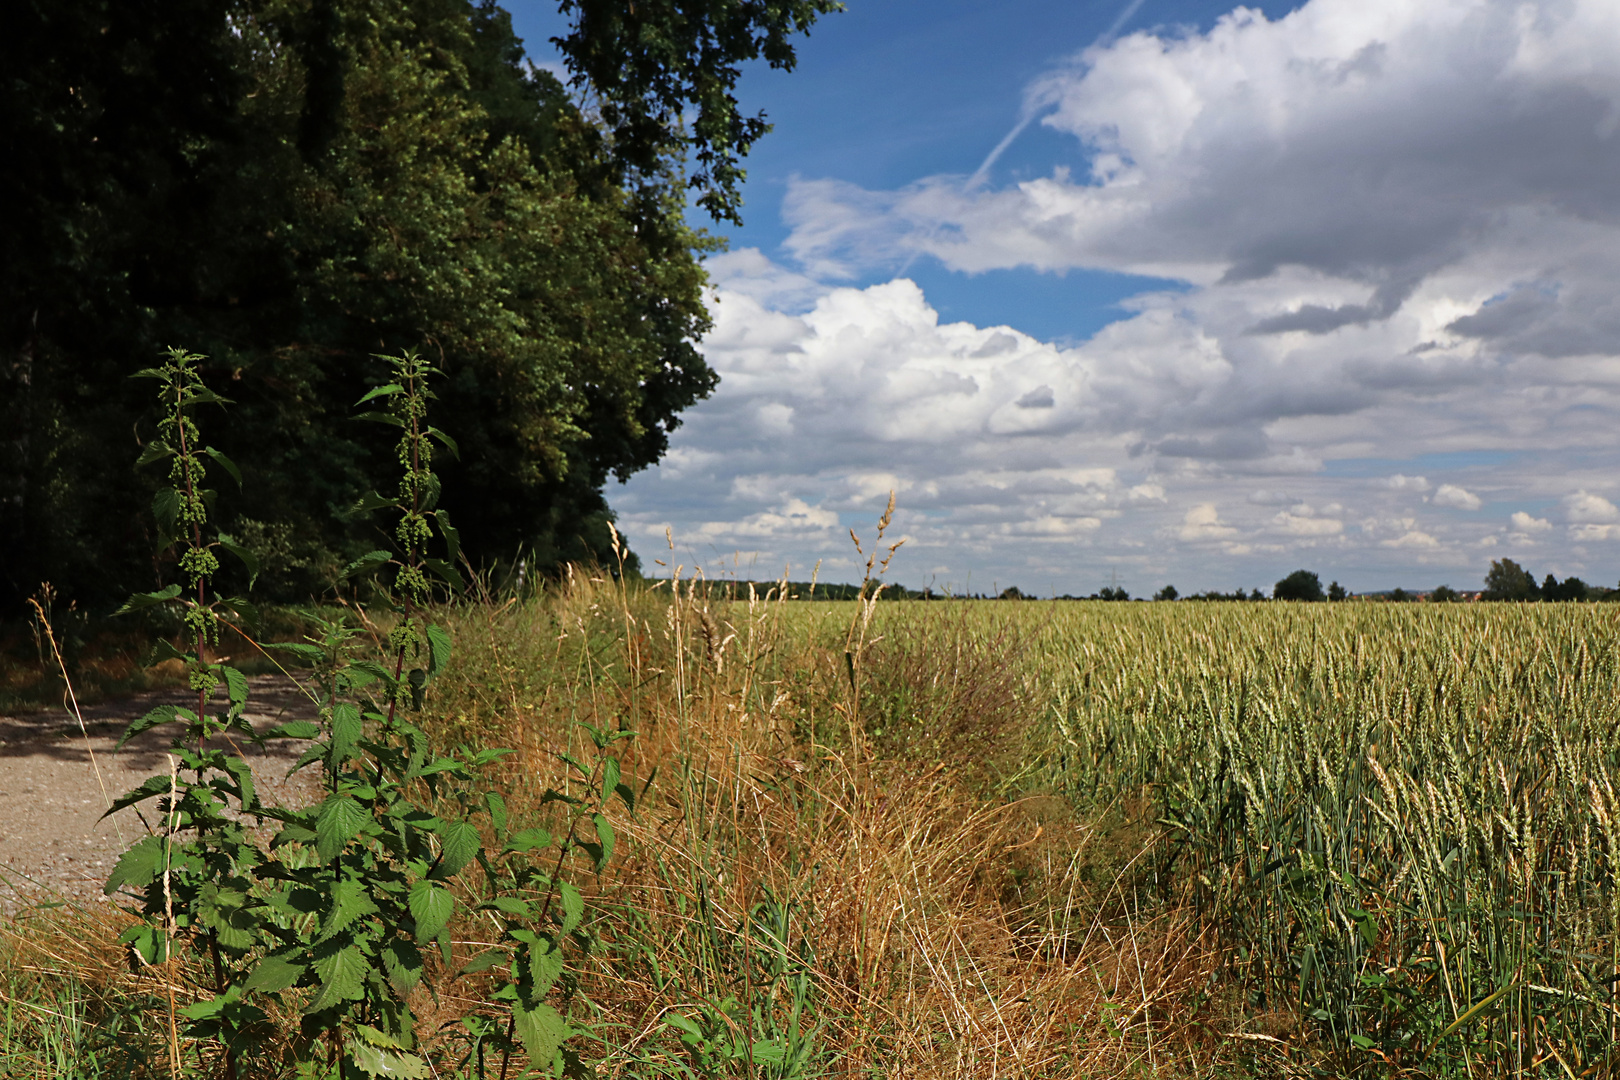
(291, 187)
(1300, 585)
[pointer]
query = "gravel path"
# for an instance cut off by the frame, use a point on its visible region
(52, 841)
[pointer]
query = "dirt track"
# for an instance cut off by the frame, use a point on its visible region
(52, 842)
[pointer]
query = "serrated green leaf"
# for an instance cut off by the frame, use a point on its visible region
(449, 443)
(497, 811)
(368, 502)
(151, 787)
(342, 974)
(573, 905)
(163, 714)
(141, 601)
(312, 653)
(604, 834)
(349, 904)
(347, 728)
(542, 1031)
(528, 840)
(545, 968)
(610, 778)
(293, 729)
(485, 960)
(166, 508)
(445, 572)
(458, 845)
(366, 563)
(236, 687)
(380, 418)
(225, 463)
(386, 390)
(138, 866)
(431, 907)
(338, 820)
(274, 973)
(382, 1062)
(246, 557)
(452, 538)
(438, 648)
(402, 961)
(226, 913)
(156, 450)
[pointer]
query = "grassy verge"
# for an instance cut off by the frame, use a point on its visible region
(1020, 840)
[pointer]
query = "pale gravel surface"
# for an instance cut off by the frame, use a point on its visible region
(51, 841)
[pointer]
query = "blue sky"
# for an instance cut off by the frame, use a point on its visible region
(1329, 284)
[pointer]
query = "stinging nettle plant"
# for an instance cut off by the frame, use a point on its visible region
(342, 913)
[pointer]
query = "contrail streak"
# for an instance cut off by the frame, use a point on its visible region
(1033, 104)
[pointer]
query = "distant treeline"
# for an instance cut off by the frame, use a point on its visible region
(1506, 581)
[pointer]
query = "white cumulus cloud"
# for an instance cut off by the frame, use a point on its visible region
(1457, 498)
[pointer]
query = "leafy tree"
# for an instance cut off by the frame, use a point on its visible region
(1444, 594)
(292, 186)
(1507, 580)
(1571, 589)
(1166, 593)
(1300, 585)
(1336, 592)
(1112, 592)
(1399, 596)
(1011, 592)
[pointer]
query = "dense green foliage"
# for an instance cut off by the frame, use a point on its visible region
(291, 186)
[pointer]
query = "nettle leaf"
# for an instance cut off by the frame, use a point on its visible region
(542, 1030)
(152, 787)
(236, 686)
(248, 559)
(445, 572)
(366, 563)
(368, 502)
(545, 967)
(449, 443)
(485, 960)
(380, 418)
(604, 833)
(156, 450)
(452, 538)
(342, 973)
(386, 390)
(275, 973)
(610, 778)
(382, 1061)
(350, 903)
(141, 601)
(459, 844)
(497, 811)
(293, 729)
(365, 672)
(338, 821)
(138, 866)
(314, 654)
(573, 905)
(163, 714)
(431, 907)
(438, 648)
(225, 463)
(150, 943)
(528, 840)
(226, 913)
(347, 727)
(166, 508)
(402, 960)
